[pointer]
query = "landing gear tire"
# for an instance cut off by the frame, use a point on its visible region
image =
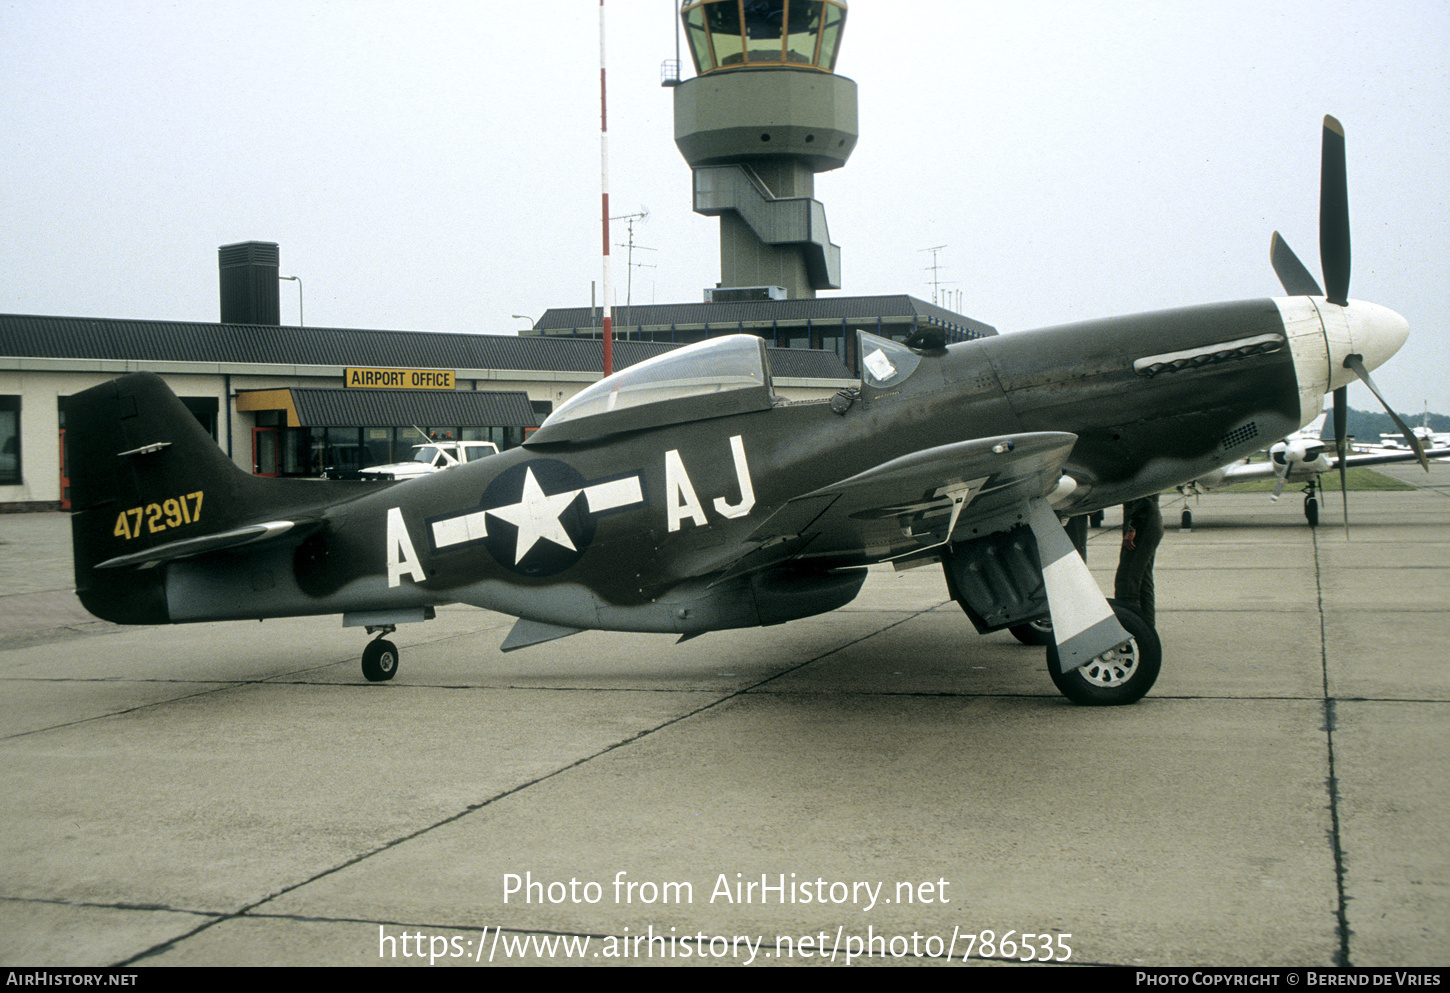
(1035, 633)
(1116, 677)
(1311, 511)
(380, 661)
(1095, 519)
(1185, 523)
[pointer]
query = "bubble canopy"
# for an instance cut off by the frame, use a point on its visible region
(745, 34)
(711, 378)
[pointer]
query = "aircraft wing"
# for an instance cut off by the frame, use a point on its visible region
(1244, 472)
(910, 504)
(1389, 458)
(1299, 472)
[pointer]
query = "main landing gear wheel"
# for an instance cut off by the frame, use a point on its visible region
(1185, 523)
(1035, 633)
(380, 660)
(1121, 675)
(1311, 511)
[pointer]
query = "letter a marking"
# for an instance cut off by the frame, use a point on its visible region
(402, 559)
(681, 501)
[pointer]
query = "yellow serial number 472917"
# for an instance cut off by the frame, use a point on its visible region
(157, 517)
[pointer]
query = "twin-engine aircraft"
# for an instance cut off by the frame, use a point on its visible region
(683, 496)
(1299, 460)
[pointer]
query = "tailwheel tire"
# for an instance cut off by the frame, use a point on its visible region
(1311, 511)
(1035, 633)
(1119, 676)
(380, 661)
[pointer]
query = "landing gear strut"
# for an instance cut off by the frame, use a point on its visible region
(380, 658)
(1185, 520)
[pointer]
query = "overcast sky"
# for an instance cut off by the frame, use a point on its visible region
(435, 165)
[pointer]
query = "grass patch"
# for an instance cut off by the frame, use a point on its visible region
(1358, 478)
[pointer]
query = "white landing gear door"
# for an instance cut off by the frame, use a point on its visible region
(1082, 621)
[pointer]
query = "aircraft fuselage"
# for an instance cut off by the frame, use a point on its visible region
(617, 530)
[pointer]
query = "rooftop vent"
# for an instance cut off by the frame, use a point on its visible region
(249, 289)
(744, 294)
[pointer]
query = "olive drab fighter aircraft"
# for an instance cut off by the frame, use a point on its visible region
(681, 495)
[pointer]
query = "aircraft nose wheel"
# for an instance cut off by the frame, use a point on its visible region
(1118, 676)
(380, 660)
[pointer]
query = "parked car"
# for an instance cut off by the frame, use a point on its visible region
(432, 457)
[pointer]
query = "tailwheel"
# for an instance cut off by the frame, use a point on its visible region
(1118, 676)
(380, 660)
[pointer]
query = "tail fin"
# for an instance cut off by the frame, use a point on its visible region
(145, 478)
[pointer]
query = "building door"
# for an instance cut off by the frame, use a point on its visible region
(64, 475)
(266, 452)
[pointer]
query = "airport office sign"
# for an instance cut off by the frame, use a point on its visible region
(398, 379)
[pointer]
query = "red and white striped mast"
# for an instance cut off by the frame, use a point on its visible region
(604, 189)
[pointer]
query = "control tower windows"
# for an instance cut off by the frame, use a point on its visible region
(726, 36)
(831, 36)
(803, 33)
(735, 34)
(700, 49)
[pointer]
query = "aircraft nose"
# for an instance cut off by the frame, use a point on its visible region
(1376, 332)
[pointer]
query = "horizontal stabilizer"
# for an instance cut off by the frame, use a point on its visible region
(188, 547)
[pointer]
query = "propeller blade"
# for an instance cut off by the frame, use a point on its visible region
(1341, 444)
(1295, 278)
(1279, 486)
(1356, 363)
(1334, 214)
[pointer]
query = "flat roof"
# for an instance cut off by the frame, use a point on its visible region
(753, 315)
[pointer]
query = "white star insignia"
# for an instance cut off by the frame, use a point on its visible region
(537, 517)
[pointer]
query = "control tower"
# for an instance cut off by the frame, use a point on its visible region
(765, 113)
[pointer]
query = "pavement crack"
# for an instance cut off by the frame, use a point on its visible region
(1331, 783)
